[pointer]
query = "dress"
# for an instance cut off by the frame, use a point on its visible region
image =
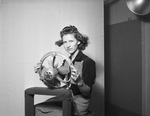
(87, 70)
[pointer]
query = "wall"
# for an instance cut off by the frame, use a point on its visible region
(118, 12)
(146, 98)
(29, 29)
(123, 64)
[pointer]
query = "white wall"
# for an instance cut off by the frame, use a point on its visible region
(29, 29)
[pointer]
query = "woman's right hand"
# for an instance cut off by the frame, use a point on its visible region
(37, 67)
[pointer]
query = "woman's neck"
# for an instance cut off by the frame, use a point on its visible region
(74, 54)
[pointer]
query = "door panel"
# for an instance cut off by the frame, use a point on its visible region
(123, 69)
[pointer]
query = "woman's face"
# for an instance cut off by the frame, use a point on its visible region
(70, 43)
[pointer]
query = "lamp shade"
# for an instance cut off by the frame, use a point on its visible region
(139, 7)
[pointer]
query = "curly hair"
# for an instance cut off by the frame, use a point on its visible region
(84, 40)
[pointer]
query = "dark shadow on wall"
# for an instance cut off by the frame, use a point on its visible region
(145, 18)
(97, 103)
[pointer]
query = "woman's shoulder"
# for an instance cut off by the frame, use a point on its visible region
(88, 59)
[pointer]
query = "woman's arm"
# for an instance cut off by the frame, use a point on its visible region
(84, 89)
(87, 79)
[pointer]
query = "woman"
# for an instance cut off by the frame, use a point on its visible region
(83, 78)
(83, 72)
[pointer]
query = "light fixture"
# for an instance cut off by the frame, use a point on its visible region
(139, 7)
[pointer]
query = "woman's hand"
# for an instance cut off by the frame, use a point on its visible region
(37, 67)
(75, 76)
(77, 79)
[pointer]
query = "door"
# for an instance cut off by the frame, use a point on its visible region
(123, 69)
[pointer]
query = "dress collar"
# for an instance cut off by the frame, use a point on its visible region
(78, 56)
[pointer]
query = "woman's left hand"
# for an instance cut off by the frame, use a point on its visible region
(75, 76)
